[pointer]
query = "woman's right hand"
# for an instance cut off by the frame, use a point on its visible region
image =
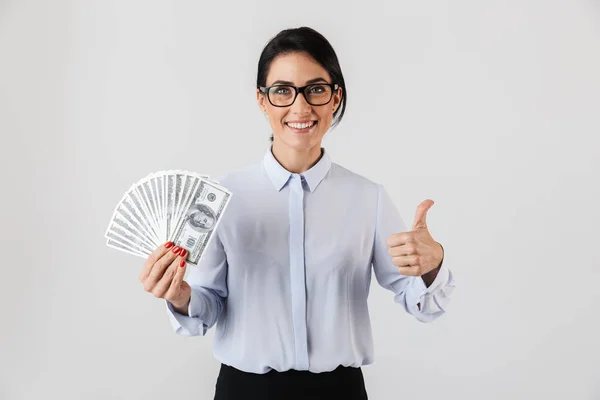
(162, 275)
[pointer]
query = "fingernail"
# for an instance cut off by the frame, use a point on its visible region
(176, 249)
(168, 245)
(183, 252)
(181, 263)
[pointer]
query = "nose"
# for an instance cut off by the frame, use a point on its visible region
(300, 105)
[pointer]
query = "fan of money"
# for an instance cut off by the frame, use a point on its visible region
(178, 206)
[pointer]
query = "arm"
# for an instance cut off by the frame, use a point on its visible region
(208, 281)
(425, 301)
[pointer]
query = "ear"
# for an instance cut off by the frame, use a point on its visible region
(337, 98)
(260, 99)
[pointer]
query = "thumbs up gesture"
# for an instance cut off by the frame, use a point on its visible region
(416, 253)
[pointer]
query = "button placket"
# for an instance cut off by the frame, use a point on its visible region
(297, 270)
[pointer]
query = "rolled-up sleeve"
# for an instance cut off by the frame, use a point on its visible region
(425, 303)
(208, 281)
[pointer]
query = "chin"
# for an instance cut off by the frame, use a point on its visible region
(301, 142)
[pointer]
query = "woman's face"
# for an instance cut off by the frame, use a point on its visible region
(298, 69)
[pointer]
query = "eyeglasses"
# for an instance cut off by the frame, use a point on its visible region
(317, 94)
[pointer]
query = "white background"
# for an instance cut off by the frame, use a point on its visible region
(490, 108)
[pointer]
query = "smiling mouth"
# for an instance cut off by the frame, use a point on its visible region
(301, 126)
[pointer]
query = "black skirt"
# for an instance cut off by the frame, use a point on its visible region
(342, 383)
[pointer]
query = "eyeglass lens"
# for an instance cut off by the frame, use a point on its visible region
(316, 95)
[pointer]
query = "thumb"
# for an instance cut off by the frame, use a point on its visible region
(421, 215)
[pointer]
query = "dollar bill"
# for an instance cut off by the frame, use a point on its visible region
(129, 236)
(136, 205)
(124, 211)
(117, 237)
(201, 219)
(176, 205)
(145, 191)
(170, 207)
(186, 200)
(158, 185)
(119, 246)
(132, 228)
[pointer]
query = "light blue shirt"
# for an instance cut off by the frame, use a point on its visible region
(286, 276)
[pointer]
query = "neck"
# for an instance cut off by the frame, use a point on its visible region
(296, 161)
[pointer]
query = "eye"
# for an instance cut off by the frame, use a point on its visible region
(282, 90)
(317, 89)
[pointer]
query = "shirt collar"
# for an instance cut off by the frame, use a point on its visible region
(279, 175)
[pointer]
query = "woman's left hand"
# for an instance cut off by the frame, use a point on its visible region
(416, 253)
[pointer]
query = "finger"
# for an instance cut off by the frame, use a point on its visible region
(399, 239)
(405, 261)
(421, 215)
(410, 271)
(161, 265)
(177, 279)
(405, 250)
(152, 258)
(183, 253)
(162, 286)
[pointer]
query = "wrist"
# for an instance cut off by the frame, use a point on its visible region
(442, 261)
(182, 308)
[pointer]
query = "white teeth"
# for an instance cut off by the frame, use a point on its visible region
(301, 126)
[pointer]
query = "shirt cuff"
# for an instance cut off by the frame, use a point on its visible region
(195, 306)
(187, 325)
(441, 279)
(433, 300)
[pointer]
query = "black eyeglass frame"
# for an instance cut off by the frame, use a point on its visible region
(334, 87)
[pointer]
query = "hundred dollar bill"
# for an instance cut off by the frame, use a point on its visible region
(186, 200)
(122, 247)
(128, 225)
(201, 218)
(172, 187)
(123, 233)
(123, 241)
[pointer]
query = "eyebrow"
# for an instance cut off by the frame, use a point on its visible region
(280, 82)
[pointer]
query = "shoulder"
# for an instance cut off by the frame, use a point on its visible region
(237, 177)
(344, 175)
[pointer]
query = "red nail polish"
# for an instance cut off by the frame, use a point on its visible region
(181, 263)
(176, 249)
(183, 252)
(168, 245)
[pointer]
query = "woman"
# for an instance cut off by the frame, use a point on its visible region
(286, 276)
